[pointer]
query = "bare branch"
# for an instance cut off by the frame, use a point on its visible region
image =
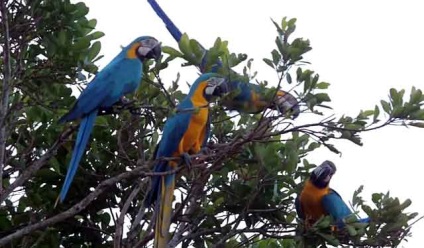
(5, 88)
(124, 210)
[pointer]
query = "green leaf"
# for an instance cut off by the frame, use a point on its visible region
(81, 10)
(322, 85)
(367, 113)
(92, 23)
(276, 57)
(376, 113)
(269, 62)
(172, 52)
(279, 30)
(94, 50)
(184, 45)
(62, 38)
(376, 197)
(288, 78)
(322, 97)
(351, 230)
(386, 106)
(82, 44)
(97, 35)
(330, 239)
(416, 96)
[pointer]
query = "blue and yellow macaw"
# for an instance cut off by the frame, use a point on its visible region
(317, 199)
(184, 133)
(121, 76)
(251, 97)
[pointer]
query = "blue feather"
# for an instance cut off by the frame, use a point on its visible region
(298, 207)
(175, 32)
(84, 132)
(335, 206)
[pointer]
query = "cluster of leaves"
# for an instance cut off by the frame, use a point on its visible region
(240, 195)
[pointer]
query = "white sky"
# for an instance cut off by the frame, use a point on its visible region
(363, 48)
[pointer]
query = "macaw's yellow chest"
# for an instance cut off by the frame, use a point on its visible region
(310, 199)
(196, 131)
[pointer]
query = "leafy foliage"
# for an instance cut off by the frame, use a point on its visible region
(240, 194)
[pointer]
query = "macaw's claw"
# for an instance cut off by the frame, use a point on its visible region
(206, 151)
(186, 159)
(108, 110)
(125, 101)
(135, 111)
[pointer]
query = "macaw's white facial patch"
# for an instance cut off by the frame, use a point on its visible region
(213, 83)
(143, 51)
(327, 178)
(210, 89)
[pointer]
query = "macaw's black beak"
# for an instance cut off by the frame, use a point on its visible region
(221, 89)
(155, 53)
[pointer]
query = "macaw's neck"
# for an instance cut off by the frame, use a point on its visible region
(197, 96)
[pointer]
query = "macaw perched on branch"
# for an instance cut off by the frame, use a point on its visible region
(183, 134)
(251, 98)
(317, 199)
(121, 76)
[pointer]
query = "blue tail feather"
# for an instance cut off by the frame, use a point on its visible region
(84, 132)
(155, 190)
(175, 32)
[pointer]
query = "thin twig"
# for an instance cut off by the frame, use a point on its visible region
(124, 210)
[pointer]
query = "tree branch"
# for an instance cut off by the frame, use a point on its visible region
(137, 172)
(5, 88)
(124, 210)
(37, 164)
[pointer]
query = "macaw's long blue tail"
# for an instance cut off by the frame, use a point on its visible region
(86, 126)
(175, 32)
(164, 210)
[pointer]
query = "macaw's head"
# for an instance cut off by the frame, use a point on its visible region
(322, 174)
(287, 103)
(143, 48)
(209, 85)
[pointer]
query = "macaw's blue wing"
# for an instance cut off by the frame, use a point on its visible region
(173, 132)
(298, 207)
(162, 189)
(335, 206)
(117, 79)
